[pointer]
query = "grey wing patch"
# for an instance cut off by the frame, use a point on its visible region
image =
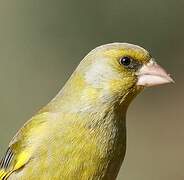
(6, 161)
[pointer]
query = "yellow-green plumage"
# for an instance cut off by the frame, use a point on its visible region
(81, 133)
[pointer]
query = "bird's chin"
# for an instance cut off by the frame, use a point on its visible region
(152, 74)
(139, 88)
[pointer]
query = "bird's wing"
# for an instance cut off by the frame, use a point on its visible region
(20, 149)
(12, 161)
(4, 164)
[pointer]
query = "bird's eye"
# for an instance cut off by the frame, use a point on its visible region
(129, 63)
(126, 61)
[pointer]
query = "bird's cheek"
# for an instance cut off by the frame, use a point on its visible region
(120, 86)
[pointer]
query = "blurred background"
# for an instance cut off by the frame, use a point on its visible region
(41, 43)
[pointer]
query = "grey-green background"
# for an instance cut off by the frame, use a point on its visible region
(42, 41)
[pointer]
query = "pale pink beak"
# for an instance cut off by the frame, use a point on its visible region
(152, 74)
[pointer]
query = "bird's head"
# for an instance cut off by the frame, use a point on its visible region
(116, 71)
(118, 68)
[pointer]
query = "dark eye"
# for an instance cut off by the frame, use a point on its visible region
(126, 61)
(129, 63)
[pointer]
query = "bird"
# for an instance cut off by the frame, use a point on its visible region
(81, 133)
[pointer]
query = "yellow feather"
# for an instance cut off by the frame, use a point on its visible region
(81, 133)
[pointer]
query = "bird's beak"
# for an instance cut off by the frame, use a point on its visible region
(152, 74)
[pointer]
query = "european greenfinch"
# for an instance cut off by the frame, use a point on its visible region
(81, 133)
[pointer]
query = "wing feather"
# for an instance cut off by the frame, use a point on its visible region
(20, 150)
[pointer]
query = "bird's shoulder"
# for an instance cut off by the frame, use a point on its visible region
(24, 143)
